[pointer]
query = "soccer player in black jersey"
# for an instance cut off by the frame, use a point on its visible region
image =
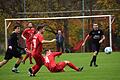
(12, 50)
(97, 37)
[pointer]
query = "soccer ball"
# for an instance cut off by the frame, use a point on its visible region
(108, 50)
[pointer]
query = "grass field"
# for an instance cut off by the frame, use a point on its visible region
(108, 69)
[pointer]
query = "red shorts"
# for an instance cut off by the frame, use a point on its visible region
(28, 45)
(39, 59)
(59, 67)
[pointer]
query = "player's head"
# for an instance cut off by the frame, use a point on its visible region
(95, 26)
(59, 32)
(48, 52)
(41, 28)
(17, 29)
(30, 25)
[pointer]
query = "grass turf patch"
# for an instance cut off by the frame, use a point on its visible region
(108, 69)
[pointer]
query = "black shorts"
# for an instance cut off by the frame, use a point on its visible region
(12, 53)
(96, 47)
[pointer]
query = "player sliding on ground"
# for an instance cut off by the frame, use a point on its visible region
(52, 66)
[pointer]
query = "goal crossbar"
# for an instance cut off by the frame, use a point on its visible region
(73, 17)
(51, 18)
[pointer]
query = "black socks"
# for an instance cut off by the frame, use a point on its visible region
(16, 65)
(93, 60)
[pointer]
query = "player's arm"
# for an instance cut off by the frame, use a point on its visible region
(23, 33)
(11, 42)
(103, 37)
(48, 41)
(85, 40)
(23, 37)
(56, 53)
(41, 39)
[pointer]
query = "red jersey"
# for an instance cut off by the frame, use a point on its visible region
(28, 33)
(50, 60)
(37, 43)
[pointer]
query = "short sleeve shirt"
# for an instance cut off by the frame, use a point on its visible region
(28, 33)
(96, 35)
(37, 42)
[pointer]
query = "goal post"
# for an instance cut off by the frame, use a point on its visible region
(52, 18)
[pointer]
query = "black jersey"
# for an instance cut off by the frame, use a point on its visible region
(13, 40)
(96, 35)
(16, 49)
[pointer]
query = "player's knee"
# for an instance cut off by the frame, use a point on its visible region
(95, 53)
(3, 62)
(67, 62)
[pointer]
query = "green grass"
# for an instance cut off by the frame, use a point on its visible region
(109, 69)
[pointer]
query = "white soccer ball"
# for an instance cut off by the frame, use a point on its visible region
(108, 50)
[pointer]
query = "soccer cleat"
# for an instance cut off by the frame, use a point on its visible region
(31, 62)
(96, 65)
(15, 70)
(30, 72)
(90, 65)
(80, 69)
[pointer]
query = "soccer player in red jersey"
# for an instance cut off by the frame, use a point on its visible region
(27, 35)
(37, 41)
(52, 66)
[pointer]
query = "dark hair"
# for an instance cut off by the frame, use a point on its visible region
(15, 27)
(40, 27)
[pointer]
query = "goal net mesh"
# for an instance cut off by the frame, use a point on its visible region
(74, 29)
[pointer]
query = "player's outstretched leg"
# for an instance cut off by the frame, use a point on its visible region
(3, 63)
(80, 69)
(73, 66)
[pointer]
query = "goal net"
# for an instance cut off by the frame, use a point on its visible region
(74, 28)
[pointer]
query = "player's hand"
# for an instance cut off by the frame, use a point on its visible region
(28, 51)
(83, 44)
(25, 39)
(10, 47)
(25, 49)
(53, 40)
(100, 41)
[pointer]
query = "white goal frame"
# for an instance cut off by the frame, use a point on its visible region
(50, 18)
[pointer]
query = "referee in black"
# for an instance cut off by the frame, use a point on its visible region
(13, 50)
(97, 37)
